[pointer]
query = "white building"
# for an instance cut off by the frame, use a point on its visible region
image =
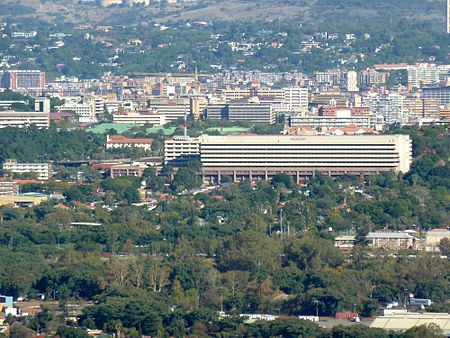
(352, 81)
(260, 157)
(426, 73)
(40, 117)
(43, 170)
(295, 99)
(343, 118)
(389, 106)
(140, 117)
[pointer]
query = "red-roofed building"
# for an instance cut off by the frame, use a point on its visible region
(62, 116)
(119, 141)
(350, 130)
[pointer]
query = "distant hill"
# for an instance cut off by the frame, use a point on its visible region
(318, 12)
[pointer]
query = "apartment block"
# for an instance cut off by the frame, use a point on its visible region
(42, 170)
(343, 119)
(8, 188)
(426, 73)
(442, 93)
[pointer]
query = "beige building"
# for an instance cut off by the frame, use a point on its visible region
(140, 117)
(434, 237)
(392, 240)
(42, 170)
(8, 188)
(127, 170)
(180, 150)
(260, 157)
(403, 322)
(416, 108)
(345, 243)
(24, 200)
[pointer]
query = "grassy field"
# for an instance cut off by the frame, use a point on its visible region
(229, 130)
(122, 128)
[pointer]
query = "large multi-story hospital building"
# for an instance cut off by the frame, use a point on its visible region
(260, 157)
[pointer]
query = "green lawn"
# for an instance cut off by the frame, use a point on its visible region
(229, 130)
(121, 128)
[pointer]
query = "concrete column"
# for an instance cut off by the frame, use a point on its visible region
(234, 176)
(218, 177)
(266, 175)
(250, 175)
(298, 177)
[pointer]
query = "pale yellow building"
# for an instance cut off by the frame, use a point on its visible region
(434, 237)
(24, 200)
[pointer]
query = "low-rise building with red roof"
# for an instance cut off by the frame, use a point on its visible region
(119, 141)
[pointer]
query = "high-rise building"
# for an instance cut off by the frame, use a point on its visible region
(416, 108)
(295, 99)
(390, 106)
(426, 73)
(352, 81)
(442, 93)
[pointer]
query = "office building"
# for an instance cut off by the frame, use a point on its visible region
(42, 170)
(42, 104)
(172, 110)
(261, 157)
(140, 117)
(180, 150)
(252, 112)
(83, 110)
(288, 99)
(127, 170)
(40, 118)
(334, 99)
(25, 80)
